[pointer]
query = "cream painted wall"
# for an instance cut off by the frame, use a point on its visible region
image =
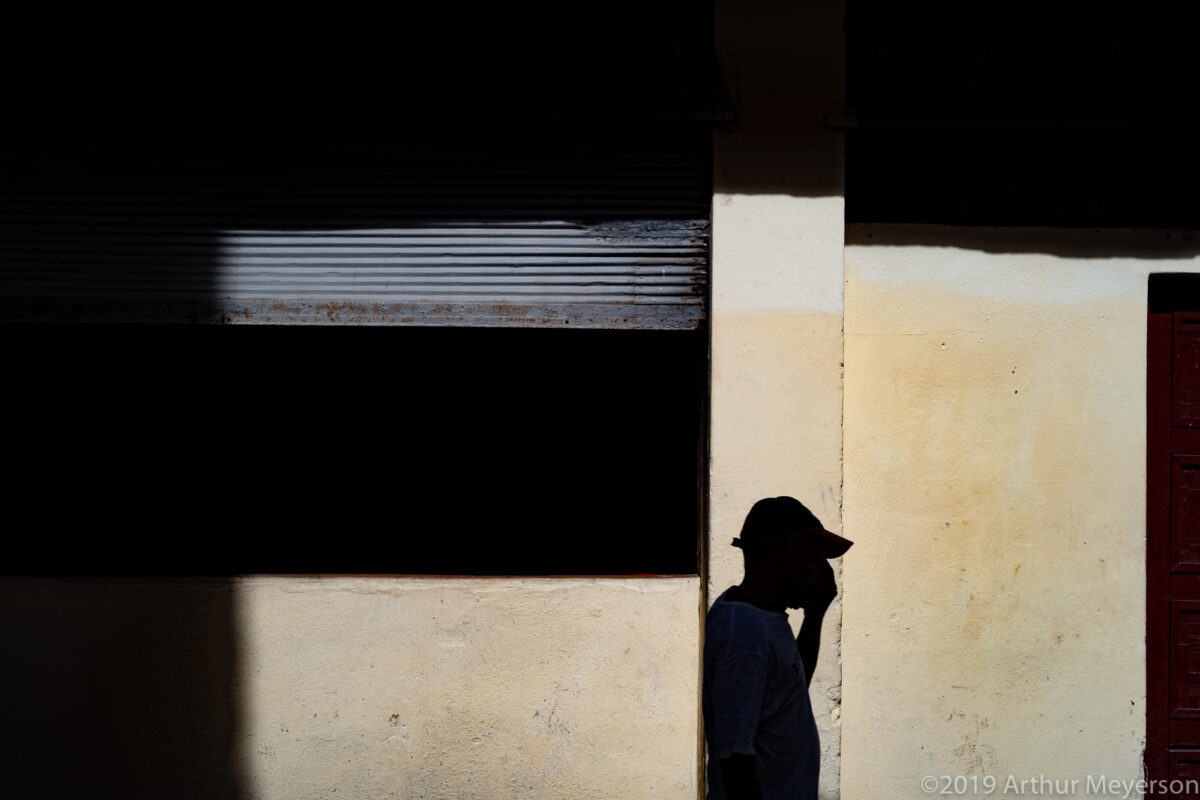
(995, 483)
(778, 230)
(285, 688)
(480, 688)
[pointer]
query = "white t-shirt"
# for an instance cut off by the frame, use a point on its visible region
(756, 702)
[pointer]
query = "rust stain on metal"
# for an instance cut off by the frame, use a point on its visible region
(336, 310)
(366, 311)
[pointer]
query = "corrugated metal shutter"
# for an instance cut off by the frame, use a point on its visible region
(597, 226)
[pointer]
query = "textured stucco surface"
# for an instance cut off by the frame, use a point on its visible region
(776, 413)
(776, 423)
(776, 399)
(995, 483)
(482, 688)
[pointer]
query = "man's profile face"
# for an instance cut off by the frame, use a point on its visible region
(801, 567)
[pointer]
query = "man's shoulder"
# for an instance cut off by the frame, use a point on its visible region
(737, 628)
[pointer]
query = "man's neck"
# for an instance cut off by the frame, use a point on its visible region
(756, 595)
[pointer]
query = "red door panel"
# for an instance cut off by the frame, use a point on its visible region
(1185, 386)
(1184, 767)
(1173, 540)
(1185, 513)
(1184, 679)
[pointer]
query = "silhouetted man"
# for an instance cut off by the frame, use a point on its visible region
(762, 738)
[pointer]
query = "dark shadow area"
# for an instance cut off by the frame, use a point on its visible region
(1174, 292)
(1056, 178)
(117, 688)
(1072, 114)
(211, 450)
(111, 219)
(237, 64)
(1097, 243)
(782, 66)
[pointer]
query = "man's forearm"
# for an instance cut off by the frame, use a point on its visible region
(808, 642)
(739, 777)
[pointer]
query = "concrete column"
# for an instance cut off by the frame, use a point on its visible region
(778, 236)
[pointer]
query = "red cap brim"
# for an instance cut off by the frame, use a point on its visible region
(834, 545)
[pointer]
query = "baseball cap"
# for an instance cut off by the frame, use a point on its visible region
(775, 515)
